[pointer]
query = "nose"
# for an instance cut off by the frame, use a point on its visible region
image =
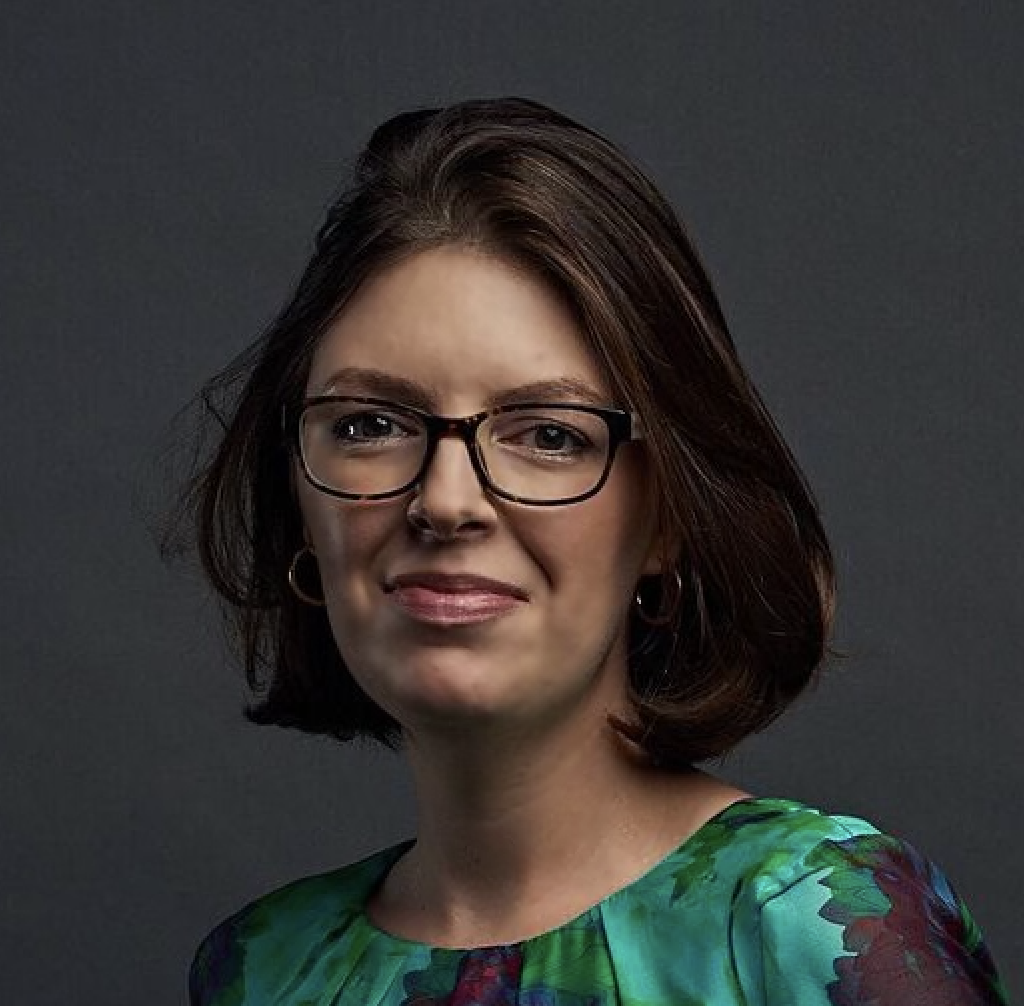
(451, 501)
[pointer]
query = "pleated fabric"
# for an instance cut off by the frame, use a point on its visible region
(770, 902)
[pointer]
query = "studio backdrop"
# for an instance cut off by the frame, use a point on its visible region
(851, 174)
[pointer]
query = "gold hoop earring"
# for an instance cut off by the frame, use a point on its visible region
(293, 579)
(661, 619)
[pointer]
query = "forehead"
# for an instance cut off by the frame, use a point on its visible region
(463, 324)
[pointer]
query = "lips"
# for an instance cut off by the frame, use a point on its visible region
(453, 599)
(456, 583)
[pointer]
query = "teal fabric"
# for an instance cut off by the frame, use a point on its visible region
(770, 902)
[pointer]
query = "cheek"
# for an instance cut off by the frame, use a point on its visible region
(591, 554)
(350, 542)
(347, 538)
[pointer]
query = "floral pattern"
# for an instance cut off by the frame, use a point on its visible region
(770, 902)
(487, 977)
(904, 927)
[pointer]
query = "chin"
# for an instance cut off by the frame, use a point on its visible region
(451, 687)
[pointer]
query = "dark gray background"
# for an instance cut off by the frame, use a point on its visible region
(851, 173)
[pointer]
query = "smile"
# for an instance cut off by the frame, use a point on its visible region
(437, 598)
(447, 607)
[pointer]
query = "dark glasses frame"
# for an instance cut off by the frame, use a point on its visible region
(623, 427)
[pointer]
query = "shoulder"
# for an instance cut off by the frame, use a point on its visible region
(834, 910)
(768, 844)
(283, 925)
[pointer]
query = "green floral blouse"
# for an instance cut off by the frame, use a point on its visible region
(770, 902)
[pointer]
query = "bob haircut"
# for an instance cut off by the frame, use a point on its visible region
(514, 179)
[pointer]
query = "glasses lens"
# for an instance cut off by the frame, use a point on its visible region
(361, 448)
(537, 454)
(544, 454)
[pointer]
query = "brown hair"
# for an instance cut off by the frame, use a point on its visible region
(530, 185)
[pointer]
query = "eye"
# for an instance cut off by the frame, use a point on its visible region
(363, 426)
(552, 437)
(543, 437)
(370, 428)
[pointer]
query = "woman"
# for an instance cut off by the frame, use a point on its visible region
(498, 491)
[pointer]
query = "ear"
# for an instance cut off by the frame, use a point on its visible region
(663, 553)
(294, 477)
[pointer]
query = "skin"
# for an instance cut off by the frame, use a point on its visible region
(519, 779)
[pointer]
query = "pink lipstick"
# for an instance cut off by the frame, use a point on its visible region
(453, 599)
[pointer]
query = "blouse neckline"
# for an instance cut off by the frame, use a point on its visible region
(388, 857)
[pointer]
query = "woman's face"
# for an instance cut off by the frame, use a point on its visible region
(464, 327)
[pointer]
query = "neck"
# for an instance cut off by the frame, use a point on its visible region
(499, 820)
(519, 804)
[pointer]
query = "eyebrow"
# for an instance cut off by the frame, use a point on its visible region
(379, 383)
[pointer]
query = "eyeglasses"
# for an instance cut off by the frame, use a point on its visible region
(542, 454)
